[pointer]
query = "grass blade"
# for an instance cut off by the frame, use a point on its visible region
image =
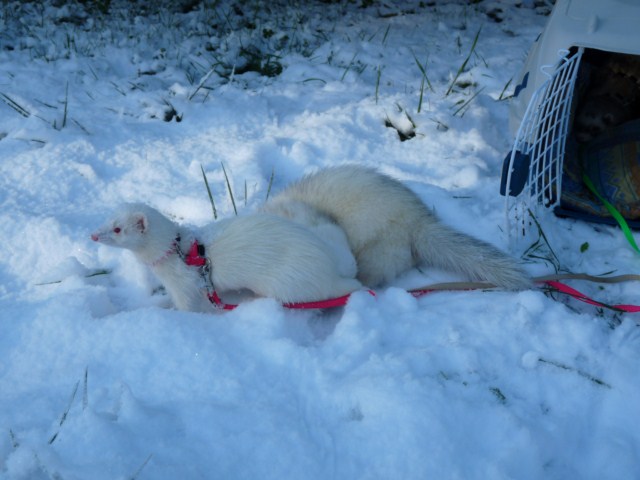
(273, 174)
(378, 75)
(541, 235)
(386, 34)
(66, 106)
(206, 184)
(464, 64)
(465, 104)
(504, 90)
(579, 372)
(202, 82)
(13, 104)
(85, 389)
(95, 273)
(425, 79)
(63, 418)
(233, 201)
(423, 70)
(137, 472)
(346, 70)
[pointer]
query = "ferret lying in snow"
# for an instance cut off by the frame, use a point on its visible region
(266, 254)
(301, 246)
(389, 229)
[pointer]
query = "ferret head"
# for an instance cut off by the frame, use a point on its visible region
(128, 229)
(136, 227)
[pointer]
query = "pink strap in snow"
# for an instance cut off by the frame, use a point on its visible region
(342, 301)
(566, 289)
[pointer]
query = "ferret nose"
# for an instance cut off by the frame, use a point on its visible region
(94, 237)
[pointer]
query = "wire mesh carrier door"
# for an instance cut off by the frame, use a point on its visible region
(532, 171)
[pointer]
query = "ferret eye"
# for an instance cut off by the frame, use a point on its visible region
(117, 230)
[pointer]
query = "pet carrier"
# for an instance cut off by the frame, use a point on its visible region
(576, 112)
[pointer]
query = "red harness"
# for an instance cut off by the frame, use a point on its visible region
(196, 258)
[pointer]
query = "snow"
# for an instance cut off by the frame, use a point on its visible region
(469, 385)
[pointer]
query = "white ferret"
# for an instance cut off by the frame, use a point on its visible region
(265, 254)
(389, 229)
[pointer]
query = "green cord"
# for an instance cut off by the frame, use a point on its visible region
(615, 213)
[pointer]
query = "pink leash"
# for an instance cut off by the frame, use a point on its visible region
(342, 301)
(566, 289)
(330, 303)
(195, 257)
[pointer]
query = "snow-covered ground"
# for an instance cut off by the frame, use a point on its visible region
(105, 102)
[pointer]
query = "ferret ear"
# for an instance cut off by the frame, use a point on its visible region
(141, 223)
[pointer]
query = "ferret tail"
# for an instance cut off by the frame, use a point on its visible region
(438, 245)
